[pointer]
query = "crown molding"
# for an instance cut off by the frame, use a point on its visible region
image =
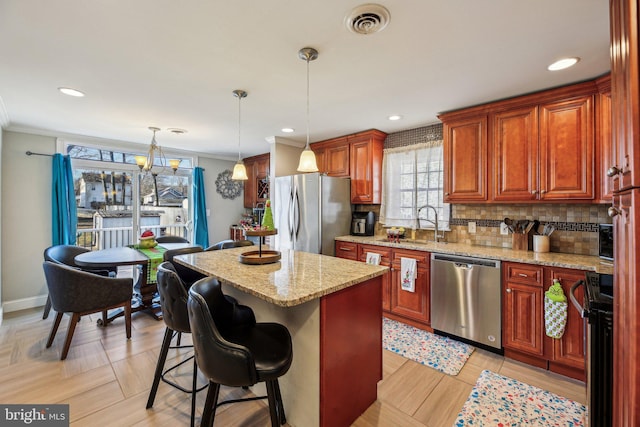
(280, 140)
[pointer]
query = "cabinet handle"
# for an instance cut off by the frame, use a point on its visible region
(613, 211)
(446, 194)
(342, 248)
(508, 290)
(523, 275)
(613, 171)
(543, 191)
(534, 192)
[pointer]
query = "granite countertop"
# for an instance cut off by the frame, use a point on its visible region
(297, 278)
(555, 259)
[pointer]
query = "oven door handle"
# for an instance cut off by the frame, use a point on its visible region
(584, 312)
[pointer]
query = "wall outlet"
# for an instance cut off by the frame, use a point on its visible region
(472, 227)
(504, 229)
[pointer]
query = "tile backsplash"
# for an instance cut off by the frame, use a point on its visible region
(576, 225)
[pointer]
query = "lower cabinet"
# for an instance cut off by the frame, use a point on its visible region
(409, 307)
(524, 336)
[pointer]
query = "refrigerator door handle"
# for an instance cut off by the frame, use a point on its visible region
(296, 216)
(291, 215)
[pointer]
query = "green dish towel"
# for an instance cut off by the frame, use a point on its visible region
(555, 310)
(155, 256)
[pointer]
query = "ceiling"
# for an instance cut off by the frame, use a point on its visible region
(174, 64)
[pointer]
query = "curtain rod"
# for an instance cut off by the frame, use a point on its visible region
(31, 153)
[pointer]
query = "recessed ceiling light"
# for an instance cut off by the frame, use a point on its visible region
(563, 63)
(394, 117)
(177, 131)
(287, 130)
(71, 92)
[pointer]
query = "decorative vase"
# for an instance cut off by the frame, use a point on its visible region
(267, 218)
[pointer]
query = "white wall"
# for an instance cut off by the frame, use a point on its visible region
(26, 218)
(223, 212)
(25, 215)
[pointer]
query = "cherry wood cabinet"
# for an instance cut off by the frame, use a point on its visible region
(604, 142)
(332, 156)
(568, 351)
(524, 336)
(522, 308)
(465, 159)
(385, 260)
(256, 187)
(357, 156)
(412, 305)
(566, 150)
(515, 154)
(347, 250)
(366, 166)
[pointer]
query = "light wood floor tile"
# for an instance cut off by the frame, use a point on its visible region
(444, 403)
(106, 378)
(409, 386)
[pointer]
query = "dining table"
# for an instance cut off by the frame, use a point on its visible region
(145, 291)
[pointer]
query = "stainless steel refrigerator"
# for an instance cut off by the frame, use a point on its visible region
(310, 211)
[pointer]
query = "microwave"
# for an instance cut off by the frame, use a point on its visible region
(605, 241)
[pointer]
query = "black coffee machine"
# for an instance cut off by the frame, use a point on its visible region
(363, 223)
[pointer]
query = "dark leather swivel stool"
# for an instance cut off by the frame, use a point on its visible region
(187, 275)
(233, 352)
(228, 244)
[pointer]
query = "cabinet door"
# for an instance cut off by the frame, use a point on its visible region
(250, 185)
(413, 305)
(366, 168)
(261, 172)
(385, 260)
(522, 329)
(604, 142)
(570, 349)
(336, 159)
(566, 150)
(320, 161)
(465, 160)
(515, 154)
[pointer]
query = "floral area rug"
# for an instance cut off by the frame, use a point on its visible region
(499, 401)
(443, 354)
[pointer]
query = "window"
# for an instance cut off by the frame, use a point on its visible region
(413, 177)
(115, 201)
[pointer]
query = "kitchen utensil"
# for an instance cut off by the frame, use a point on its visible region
(529, 227)
(536, 224)
(509, 224)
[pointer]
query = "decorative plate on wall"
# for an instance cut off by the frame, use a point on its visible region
(228, 188)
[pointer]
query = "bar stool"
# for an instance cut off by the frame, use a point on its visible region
(233, 351)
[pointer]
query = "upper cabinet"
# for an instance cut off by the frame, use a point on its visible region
(465, 159)
(256, 188)
(357, 156)
(537, 147)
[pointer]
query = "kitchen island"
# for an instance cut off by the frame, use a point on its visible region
(333, 310)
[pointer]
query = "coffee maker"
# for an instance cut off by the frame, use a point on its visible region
(362, 223)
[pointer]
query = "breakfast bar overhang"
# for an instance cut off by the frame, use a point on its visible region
(333, 310)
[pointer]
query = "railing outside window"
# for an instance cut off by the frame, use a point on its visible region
(105, 238)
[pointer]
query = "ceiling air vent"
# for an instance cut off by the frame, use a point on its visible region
(367, 19)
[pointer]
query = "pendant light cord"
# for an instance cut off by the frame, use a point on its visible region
(239, 123)
(307, 146)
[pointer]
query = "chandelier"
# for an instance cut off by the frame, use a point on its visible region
(146, 163)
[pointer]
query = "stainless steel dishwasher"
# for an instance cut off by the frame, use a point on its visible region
(465, 298)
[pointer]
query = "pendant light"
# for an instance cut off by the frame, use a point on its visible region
(307, 157)
(239, 170)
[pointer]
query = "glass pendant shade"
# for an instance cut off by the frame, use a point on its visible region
(239, 172)
(307, 161)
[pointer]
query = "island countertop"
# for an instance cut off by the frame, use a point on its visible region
(297, 278)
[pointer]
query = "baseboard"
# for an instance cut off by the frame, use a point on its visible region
(24, 303)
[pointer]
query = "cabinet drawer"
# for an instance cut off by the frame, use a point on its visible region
(421, 257)
(348, 250)
(385, 253)
(524, 273)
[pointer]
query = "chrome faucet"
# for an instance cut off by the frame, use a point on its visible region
(436, 236)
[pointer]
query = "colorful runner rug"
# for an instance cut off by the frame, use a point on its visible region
(155, 256)
(501, 401)
(443, 354)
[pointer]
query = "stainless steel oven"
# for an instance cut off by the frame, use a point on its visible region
(597, 310)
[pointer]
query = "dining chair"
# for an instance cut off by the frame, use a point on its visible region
(80, 292)
(228, 244)
(65, 254)
(233, 352)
